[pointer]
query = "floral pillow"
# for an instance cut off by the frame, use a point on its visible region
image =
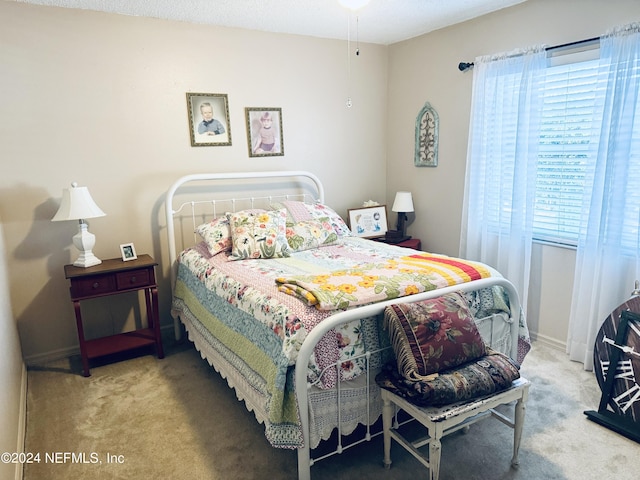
(319, 210)
(216, 234)
(296, 211)
(433, 335)
(258, 235)
(301, 211)
(311, 234)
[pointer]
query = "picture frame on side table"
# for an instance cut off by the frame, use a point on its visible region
(264, 131)
(368, 222)
(208, 119)
(128, 251)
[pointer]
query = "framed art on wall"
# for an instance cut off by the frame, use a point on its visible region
(427, 125)
(208, 119)
(368, 222)
(264, 132)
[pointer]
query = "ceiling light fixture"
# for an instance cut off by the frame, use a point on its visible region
(352, 5)
(349, 102)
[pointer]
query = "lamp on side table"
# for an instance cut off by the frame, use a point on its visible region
(402, 204)
(77, 204)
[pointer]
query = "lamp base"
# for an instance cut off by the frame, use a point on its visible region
(397, 239)
(84, 241)
(87, 259)
(395, 236)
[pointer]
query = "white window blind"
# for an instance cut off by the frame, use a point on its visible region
(568, 143)
(566, 129)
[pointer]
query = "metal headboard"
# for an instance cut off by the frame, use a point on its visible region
(212, 182)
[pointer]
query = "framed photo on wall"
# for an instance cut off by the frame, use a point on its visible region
(264, 132)
(368, 222)
(128, 252)
(208, 119)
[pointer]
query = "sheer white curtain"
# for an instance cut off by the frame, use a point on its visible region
(608, 247)
(501, 163)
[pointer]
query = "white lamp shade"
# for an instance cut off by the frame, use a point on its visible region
(77, 204)
(403, 202)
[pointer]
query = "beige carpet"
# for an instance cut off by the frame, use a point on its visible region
(175, 418)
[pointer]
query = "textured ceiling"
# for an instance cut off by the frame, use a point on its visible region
(381, 21)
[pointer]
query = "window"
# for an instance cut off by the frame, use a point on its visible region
(570, 105)
(566, 123)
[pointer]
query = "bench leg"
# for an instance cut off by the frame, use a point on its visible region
(435, 448)
(387, 419)
(517, 428)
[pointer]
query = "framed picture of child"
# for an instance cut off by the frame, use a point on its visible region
(264, 132)
(208, 119)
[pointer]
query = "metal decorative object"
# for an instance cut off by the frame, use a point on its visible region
(427, 137)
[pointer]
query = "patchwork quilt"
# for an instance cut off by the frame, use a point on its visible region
(240, 304)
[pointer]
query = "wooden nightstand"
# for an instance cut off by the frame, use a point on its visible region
(414, 243)
(112, 277)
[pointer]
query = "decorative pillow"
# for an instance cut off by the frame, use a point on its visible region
(258, 235)
(432, 335)
(301, 211)
(486, 375)
(311, 234)
(216, 234)
(296, 211)
(319, 210)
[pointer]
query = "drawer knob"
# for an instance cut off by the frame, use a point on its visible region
(96, 285)
(133, 280)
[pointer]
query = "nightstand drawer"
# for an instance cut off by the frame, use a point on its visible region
(132, 279)
(96, 285)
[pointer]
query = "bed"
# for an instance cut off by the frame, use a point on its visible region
(273, 313)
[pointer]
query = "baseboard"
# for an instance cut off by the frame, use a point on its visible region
(22, 421)
(549, 341)
(51, 356)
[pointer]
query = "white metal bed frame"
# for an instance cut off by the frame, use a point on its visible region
(304, 453)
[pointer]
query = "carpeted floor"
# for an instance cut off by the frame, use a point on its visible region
(176, 418)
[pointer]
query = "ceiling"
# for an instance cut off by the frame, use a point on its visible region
(381, 21)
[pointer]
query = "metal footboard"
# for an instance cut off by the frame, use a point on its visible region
(305, 460)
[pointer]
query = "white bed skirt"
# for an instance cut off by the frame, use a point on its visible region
(323, 404)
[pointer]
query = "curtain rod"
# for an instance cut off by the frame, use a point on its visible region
(463, 66)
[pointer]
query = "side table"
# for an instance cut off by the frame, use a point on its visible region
(111, 277)
(414, 243)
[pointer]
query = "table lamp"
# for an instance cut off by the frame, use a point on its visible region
(77, 204)
(402, 204)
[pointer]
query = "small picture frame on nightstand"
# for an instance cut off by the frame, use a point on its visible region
(128, 252)
(368, 222)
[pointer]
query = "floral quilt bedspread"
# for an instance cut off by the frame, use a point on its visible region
(249, 287)
(239, 303)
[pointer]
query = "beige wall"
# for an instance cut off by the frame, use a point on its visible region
(100, 99)
(12, 378)
(425, 69)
